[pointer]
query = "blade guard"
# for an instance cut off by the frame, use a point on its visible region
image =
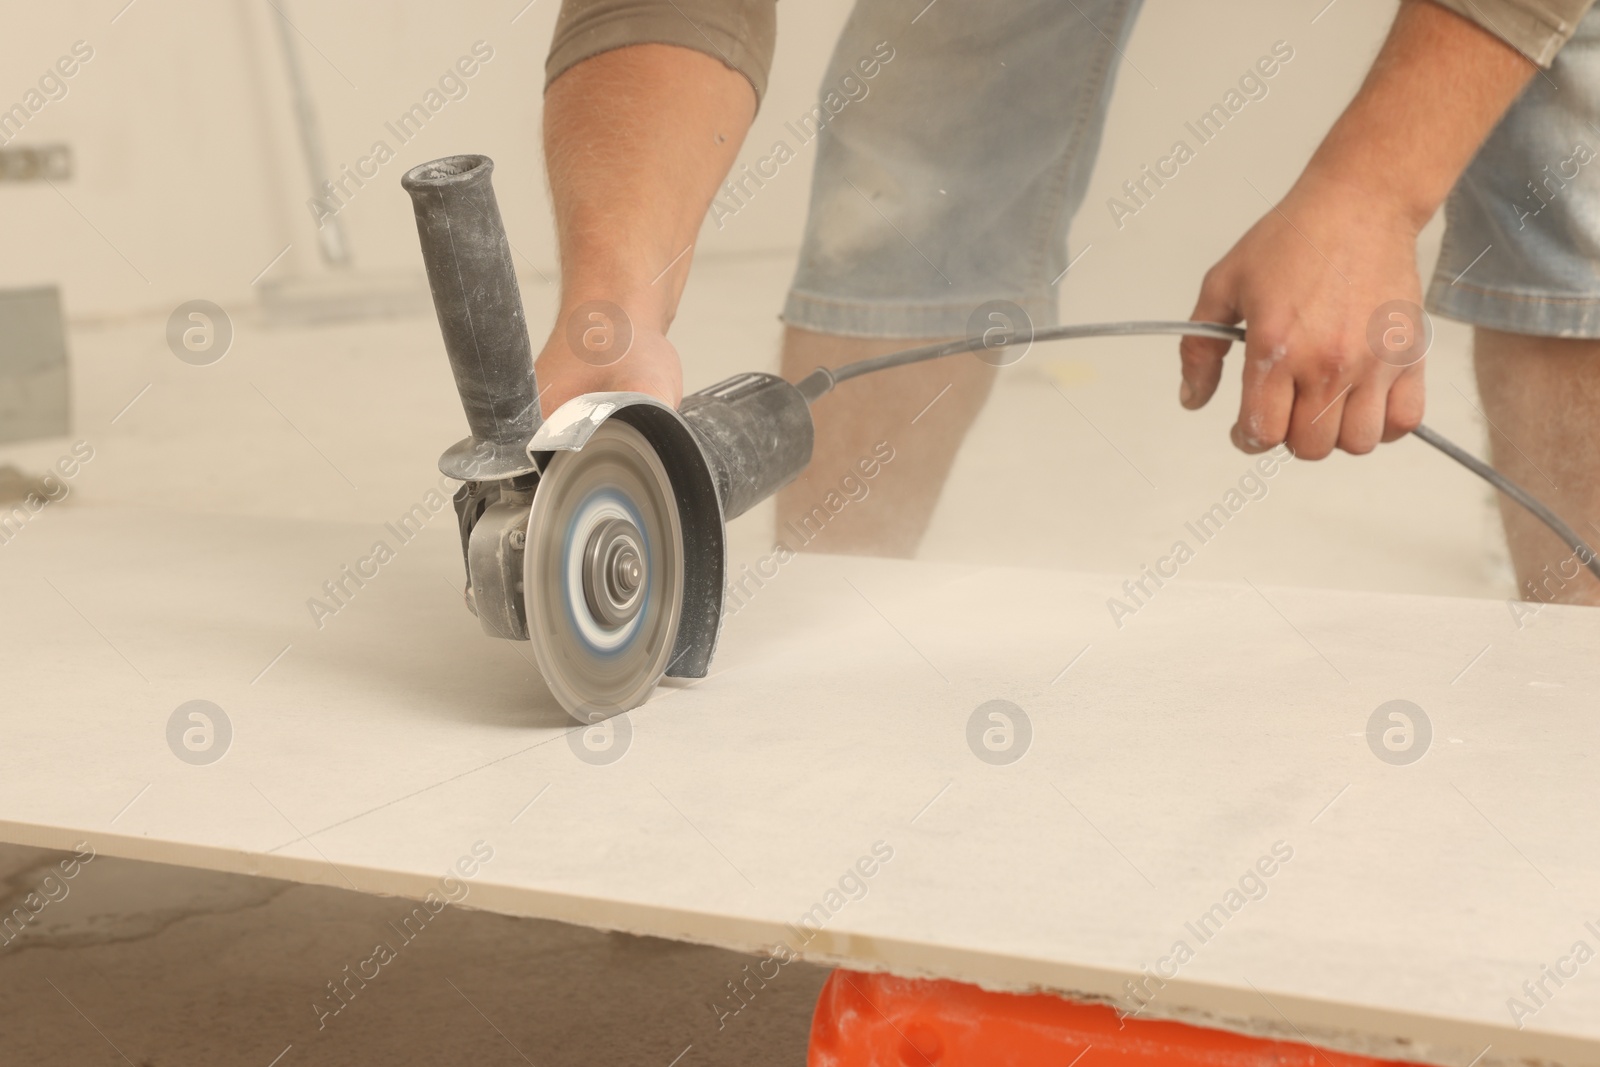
(568, 429)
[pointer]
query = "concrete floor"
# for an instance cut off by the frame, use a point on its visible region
(158, 966)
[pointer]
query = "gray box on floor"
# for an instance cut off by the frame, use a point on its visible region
(35, 394)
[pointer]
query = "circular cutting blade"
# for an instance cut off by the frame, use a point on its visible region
(603, 573)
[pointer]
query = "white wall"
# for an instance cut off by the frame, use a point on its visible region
(189, 177)
(1189, 55)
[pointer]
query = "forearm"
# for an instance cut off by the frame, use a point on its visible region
(1434, 93)
(637, 141)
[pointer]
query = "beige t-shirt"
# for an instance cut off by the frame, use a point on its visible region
(741, 33)
(1536, 28)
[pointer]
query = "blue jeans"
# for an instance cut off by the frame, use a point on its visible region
(1522, 239)
(955, 180)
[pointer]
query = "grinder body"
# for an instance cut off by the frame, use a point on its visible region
(613, 563)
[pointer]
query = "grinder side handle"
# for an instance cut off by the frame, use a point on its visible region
(474, 285)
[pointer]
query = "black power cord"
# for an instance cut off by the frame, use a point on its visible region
(821, 381)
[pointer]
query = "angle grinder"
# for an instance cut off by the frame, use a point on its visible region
(597, 533)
